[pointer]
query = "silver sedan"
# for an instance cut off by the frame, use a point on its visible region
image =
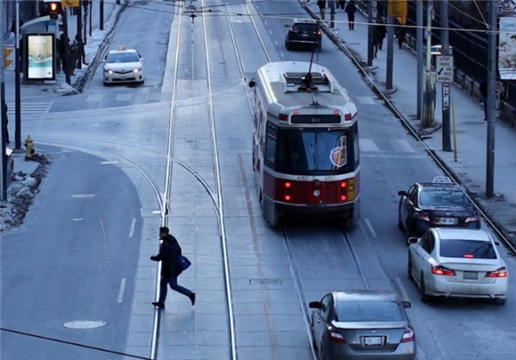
(362, 324)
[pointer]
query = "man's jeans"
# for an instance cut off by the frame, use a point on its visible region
(174, 286)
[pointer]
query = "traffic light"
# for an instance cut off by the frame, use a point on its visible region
(7, 52)
(54, 9)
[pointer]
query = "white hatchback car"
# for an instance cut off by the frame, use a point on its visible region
(448, 262)
(123, 66)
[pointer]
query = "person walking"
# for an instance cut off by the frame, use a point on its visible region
(6, 129)
(400, 34)
(483, 91)
(169, 251)
(322, 8)
(379, 34)
(351, 9)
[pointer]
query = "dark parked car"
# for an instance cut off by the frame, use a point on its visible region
(303, 33)
(362, 324)
(440, 203)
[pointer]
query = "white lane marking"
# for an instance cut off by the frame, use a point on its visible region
(402, 146)
(83, 196)
(141, 212)
(109, 162)
(281, 54)
(275, 42)
(368, 145)
(266, 23)
(125, 97)
(401, 287)
(370, 227)
(366, 100)
(270, 32)
(393, 156)
(77, 219)
(131, 231)
(121, 292)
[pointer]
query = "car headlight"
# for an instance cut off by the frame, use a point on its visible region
(108, 71)
(137, 70)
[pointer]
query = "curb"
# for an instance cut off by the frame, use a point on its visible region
(507, 234)
(79, 84)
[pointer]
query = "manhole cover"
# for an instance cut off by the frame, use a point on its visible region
(85, 324)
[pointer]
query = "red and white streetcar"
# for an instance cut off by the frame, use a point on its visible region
(305, 143)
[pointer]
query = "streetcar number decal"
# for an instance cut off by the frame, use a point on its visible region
(338, 155)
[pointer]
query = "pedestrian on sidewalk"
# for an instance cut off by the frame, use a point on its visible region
(169, 251)
(351, 9)
(341, 4)
(322, 8)
(6, 129)
(379, 34)
(80, 50)
(483, 91)
(400, 34)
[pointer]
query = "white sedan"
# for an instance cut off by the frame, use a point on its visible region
(123, 66)
(448, 262)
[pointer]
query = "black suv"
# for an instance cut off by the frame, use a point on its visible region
(304, 33)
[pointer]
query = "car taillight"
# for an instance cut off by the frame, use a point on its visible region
(439, 270)
(470, 219)
(422, 216)
(336, 337)
(500, 273)
(319, 33)
(288, 191)
(408, 336)
(343, 190)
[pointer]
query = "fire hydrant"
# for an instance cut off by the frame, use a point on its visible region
(29, 148)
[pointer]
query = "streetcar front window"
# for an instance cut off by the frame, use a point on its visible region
(310, 151)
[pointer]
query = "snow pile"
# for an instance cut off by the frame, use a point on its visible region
(64, 88)
(21, 193)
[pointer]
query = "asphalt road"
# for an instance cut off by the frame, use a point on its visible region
(74, 259)
(268, 317)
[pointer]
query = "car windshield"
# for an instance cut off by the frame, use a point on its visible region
(467, 249)
(122, 58)
(443, 197)
(304, 27)
(314, 150)
(368, 311)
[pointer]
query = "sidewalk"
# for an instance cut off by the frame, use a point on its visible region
(94, 47)
(470, 168)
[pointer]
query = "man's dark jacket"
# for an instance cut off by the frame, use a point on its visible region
(169, 251)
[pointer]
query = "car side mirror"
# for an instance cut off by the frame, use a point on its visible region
(497, 243)
(314, 305)
(143, 59)
(402, 193)
(413, 240)
(287, 25)
(252, 83)
(406, 304)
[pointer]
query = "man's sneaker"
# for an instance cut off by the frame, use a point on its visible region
(159, 304)
(192, 299)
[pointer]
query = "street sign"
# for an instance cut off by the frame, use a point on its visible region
(398, 8)
(7, 52)
(70, 3)
(444, 68)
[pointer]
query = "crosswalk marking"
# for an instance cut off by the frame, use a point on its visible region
(29, 109)
(368, 145)
(402, 146)
(153, 96)
(366, 100)
(124, 97)
(94, 97)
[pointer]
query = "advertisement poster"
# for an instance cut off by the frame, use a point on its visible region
(40, 57)
(507, 48)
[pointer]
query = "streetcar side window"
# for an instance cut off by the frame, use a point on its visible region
(356, 146)
(270, 146)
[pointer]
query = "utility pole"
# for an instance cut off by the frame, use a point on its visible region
(370, 33)
(17, 82)
(79, 36)
(428, 106)
(101, 14)
(3, 160)
(446, 140)
(419, 55)
(491, 78)
(390, 50)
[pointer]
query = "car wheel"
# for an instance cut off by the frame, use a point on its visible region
(422, 290)
(500, 301)
(409, 268)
